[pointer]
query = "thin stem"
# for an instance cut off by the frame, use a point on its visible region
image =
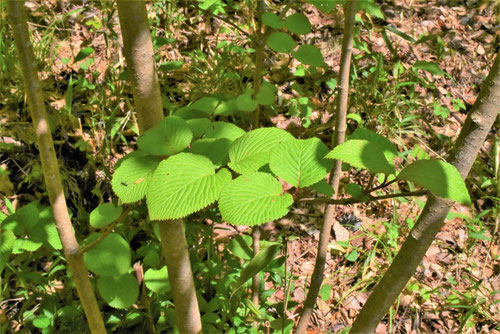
(352, 200)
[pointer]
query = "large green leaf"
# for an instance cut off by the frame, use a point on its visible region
(252, 151)
(119, 291)
(104, 214)
(298, 23)
(362, 154)
(110, 257)
(170, 136)
(183, 184)
(23, 219)
(309, 55)
(240, 246)
(217, 150)
(198, 126)
(281, 42)
(440, 177)
(224, 130)
(390, 151)
(245, 102)
(300, 162)
(253, 199)
(258, 263)
(132, 175)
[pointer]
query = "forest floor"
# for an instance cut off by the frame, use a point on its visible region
(456, 287)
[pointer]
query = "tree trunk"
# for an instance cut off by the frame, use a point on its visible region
(471, 138)
(139, 53)
(339, 136)
(50, 167)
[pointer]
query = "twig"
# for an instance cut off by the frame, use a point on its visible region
(108, 230)
(352, 200)
(230, 23)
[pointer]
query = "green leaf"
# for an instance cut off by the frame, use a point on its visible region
(362, 154)
(256, 265)
(244, 102)
(390, 151)
(300, 162)
(354, 190)
(272, 20)
(41, 321)
(253, 199)
(7, 239)
(104, 214)
(430, 67)
(309, 55)
(266, 94)
(170, 136)
(240, 246)
(132, 176)
(224, 130)
(217, 150)
(21, 245)
(352, 256)
(298, 23)
(119, 291)
(442, 178)
(84, 53)
(281, 42)
(170, 65)
(110, 257)
(207, 104)
(45, 230)
(323, 187)
(355, 117)
(157, 280)
(325, 291)
(252, 150)
(183, 184)
(226, 108)
(198, 126)
(371, 8)
(22, 220)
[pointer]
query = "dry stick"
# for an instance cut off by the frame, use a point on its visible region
(139, 53)
(340, 129)
(351, 200)
(471, 138)
(50, 167)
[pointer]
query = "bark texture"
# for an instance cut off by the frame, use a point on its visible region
(139, 53)
(339, 136)
(175, 252)
(471, 138)
(50, 167)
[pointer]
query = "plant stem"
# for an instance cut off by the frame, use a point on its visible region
(475, 130)
(50, 167)
(340, 129)
(344, 201)
(139, 53)
(175, 252)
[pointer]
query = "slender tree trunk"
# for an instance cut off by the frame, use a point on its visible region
(139, 53)
(50, 167)
(339, 136)
(471, 138)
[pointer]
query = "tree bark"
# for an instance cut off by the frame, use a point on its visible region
(471, 138)
(339, 136)
(50, 167)
(139, 53)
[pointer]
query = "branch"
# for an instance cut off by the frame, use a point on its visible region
(351, 200)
